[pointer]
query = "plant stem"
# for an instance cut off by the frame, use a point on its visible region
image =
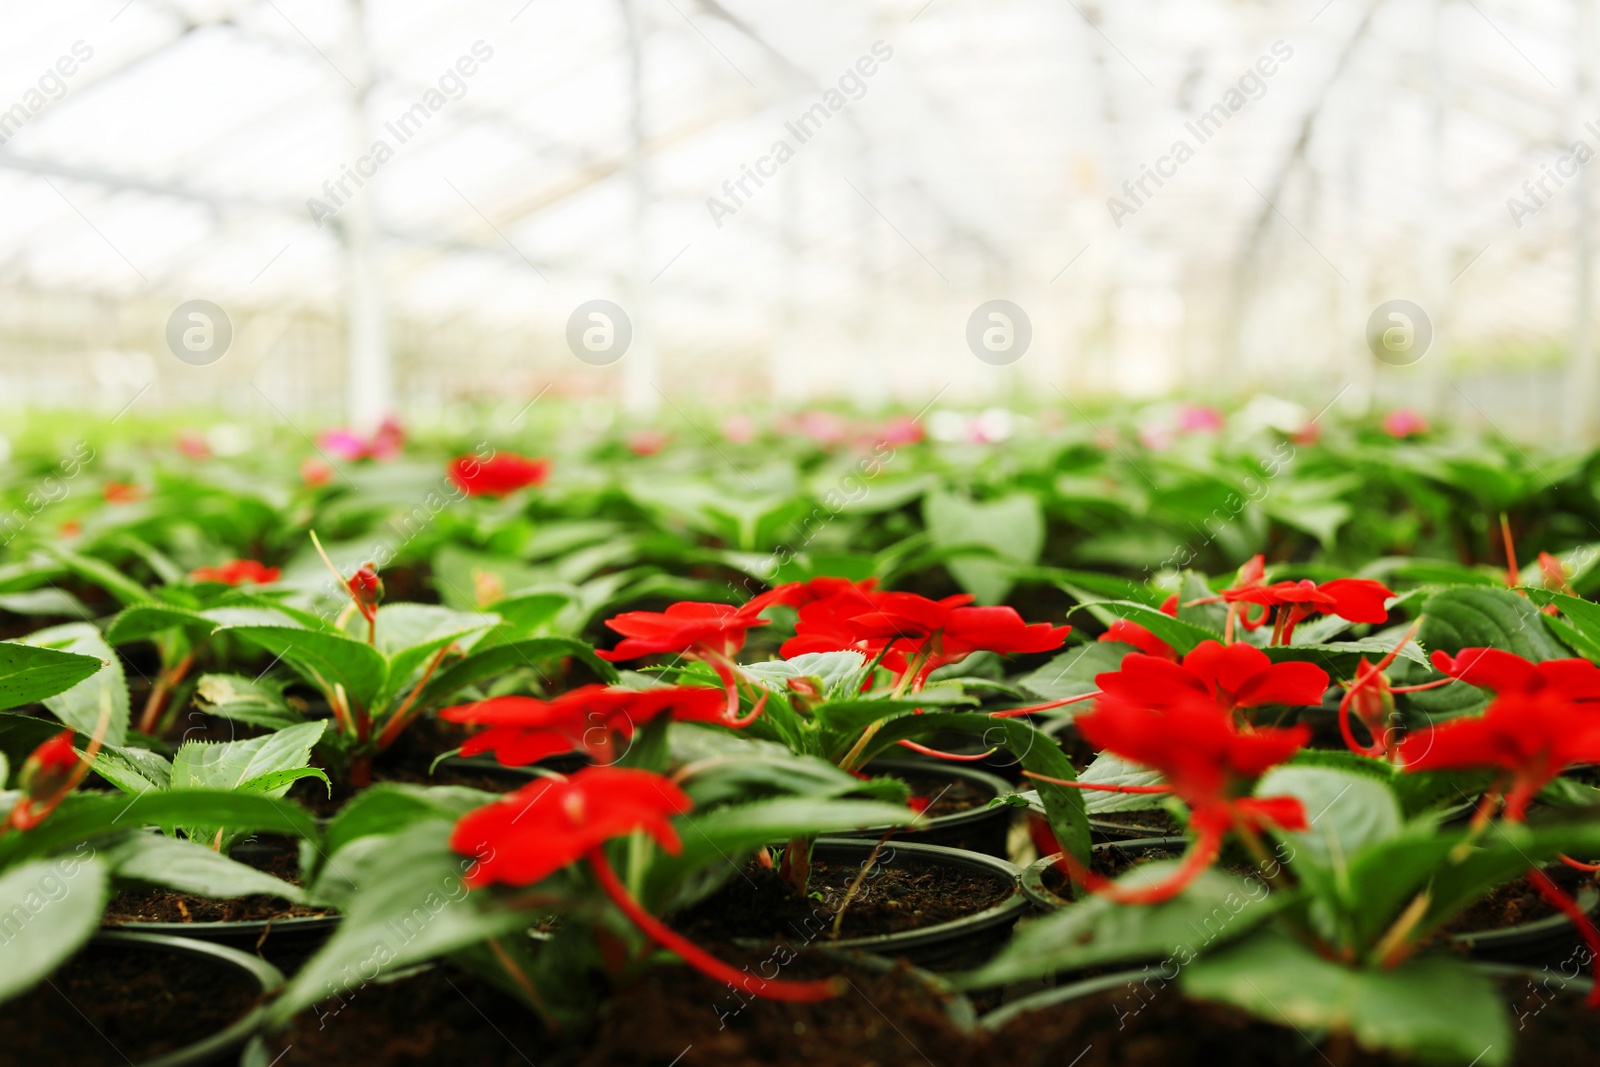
(699, 958)
(166, 681)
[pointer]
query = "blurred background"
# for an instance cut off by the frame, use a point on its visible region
(325, 211)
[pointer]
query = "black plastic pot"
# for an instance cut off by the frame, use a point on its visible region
(954, 945)
(981, 829)
(1523, 982)
(1533, 942)
(1102, 831)
(955, 1004)
(1040, 896)
(293, 933)
(221, 1046)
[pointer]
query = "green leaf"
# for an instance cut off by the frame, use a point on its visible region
(1385, 877)
(387, 808)
(104, 575)
(232, 764)
(1182, 636)
(50, 908)
(1579, 624)
(256, 701)
(187, 867)
(1215, 908)
(87, 816)
(1477, 617)
(1106, 769)
(526, 653)
(718, 836)
(1348, 811)
(1072, 673)
(79, 707)
(1013, 526)
(1343, 657)
(28, 674)
(45, 602)
(1434, 1008)
(839, 672)
(412, 906)
(144, 620)
(409, 634)
(324, 659)
(133, 770)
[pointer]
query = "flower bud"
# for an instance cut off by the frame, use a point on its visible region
(367, 589)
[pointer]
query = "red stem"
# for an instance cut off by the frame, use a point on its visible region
(1099, 787)
(1013, 713)
(1202, 853)
(952, 756)
(697, 957)
(1558, 899)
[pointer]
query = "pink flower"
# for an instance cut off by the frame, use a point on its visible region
(1196, 418)
(193, 445)
(823, 427)
(384, 444)
(1404, 422)
(647, 442)
(903, 430)
(739, 428)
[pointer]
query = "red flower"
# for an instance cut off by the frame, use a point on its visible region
(933, 633)
(237, 572)
(1203, 756)
(1354, 599)
(315, 472)
(708, 632)
(1506, 674)
(1131, 633)
(800, 594)
(522, 730)
(122, 493)
(499, 475)
(50, 772)
(687, 626)
(1231, 676)
(825, 620)
(529, 835)
(1532, 734)
(1207, 762)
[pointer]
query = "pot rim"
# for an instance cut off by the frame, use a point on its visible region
(981, 813)
(264, 975)
(1088, 987)
(1031, 878)
(1007, 911)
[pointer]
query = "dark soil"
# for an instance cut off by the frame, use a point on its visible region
(437, 1016)
(672, 1015)
(884, 1019)
(1153, 822)
(314, 795)
(1139, 1026)
(111, 1005)
(1114, 862)
(763, 905)
(1516, 903)
(276, 856)
(945, 795)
